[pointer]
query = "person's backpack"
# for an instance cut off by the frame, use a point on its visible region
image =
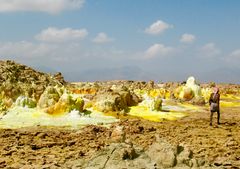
(214, 105)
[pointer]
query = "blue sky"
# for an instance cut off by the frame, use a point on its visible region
(163, 40)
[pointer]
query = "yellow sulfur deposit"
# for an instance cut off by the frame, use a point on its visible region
(157, 116)
(230, 96)
(229, 104)
(163, 93)
(206, 92)
(190, 106)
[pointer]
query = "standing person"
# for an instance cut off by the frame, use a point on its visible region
(214, 104)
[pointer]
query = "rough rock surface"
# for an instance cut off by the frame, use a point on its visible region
(160, 154)
(50, 96)
(114, 100)
(156, 104)
(17, 79)
(66, 104)
(59, 148)
(212, 147)
(120, 155)
(185, 143)
(118, 134)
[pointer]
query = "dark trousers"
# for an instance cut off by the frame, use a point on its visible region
(218, 117)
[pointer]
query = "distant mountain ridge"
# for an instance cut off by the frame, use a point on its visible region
(220, 75)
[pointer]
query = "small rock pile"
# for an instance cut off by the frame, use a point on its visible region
(160, 154)
(115, 100)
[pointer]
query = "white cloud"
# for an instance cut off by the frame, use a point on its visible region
(233, 58)
(52, 34)
(235, 54)
(49, 6)
(102, 38)
(158, 50)
(187, 38)
(210, 50)
(24, 49)
(157, 27)
(74, 54)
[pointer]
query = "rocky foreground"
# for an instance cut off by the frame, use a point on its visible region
(132, 142)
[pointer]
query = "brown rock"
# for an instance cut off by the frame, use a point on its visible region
(118, 135)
